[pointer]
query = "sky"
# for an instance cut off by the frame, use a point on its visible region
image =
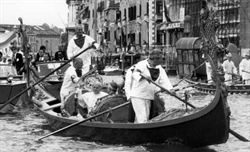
(34, 12)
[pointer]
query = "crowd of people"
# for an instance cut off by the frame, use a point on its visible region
(14, 56)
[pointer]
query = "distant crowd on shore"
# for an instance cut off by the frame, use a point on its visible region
(14, 56)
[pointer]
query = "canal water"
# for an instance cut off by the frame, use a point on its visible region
(20, 130)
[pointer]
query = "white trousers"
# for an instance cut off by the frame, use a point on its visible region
(141, 108)
(228, 77)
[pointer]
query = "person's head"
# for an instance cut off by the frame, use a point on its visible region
(118, 49)
(138, 47)
(60, 54)
(41, 53)
(132, 47)
(247, 55)
(14, 49)
(229, 56)
(9, 61)
(155, 57)
(79, 32)
(112, 87)
(77, 63)
(96, 87)
(43, 48)
(46, 57)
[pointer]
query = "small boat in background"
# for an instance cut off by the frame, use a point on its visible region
(211, 88)
(10, 85)
(44, 68)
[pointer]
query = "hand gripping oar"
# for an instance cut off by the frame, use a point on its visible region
(189, 74)
(44, 77)
(79, 122)
(167, 91)
(230, 131)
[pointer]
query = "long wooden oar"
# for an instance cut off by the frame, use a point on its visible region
(79, 122)
(174, 95)
(188, 74)
(238, 136)
(230, 131)
(19, 94)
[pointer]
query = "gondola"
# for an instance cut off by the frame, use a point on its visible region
(207, 126)
(211, 88)
(10, 85)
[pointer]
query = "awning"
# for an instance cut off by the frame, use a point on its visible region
(6, 38)
(188, 43)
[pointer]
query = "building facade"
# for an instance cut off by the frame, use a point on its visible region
(159, 23)
(38, 35)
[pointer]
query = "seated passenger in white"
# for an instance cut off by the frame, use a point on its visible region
(89, 99)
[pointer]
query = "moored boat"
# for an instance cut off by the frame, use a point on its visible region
(234, 88)
(10, 85)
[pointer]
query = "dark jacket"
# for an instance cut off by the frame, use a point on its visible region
(40, 59)
(18, 61)
(60, 56)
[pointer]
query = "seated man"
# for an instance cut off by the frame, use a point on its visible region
(60, 56)
(71, 77)
(88, 100)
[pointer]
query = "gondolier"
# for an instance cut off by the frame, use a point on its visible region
(78, 43)
(71, 78)
(229, 69)
(245, 66)
(142, 91)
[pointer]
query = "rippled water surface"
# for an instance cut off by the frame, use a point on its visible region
(19, 132)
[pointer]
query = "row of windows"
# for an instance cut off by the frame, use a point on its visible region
(132, 13)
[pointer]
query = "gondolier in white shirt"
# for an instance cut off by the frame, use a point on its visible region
(142, 91)
(80, 42)
(208, 70)
(245, 66)
(229, 69)
(71, 78)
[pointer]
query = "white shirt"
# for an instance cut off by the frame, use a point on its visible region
(128, 81)
(70, 84)
(141, 88)
(208, 70)
(229, 67)
(7, 53)
(245, 65)
(88, 99)
(73, 50)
